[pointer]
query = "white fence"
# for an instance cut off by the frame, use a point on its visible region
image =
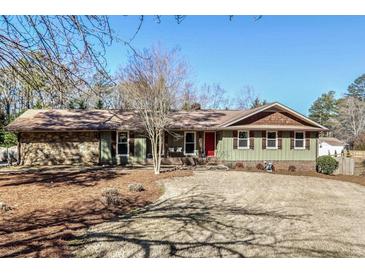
(346, 166)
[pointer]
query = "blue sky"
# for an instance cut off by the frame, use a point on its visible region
(290, 59)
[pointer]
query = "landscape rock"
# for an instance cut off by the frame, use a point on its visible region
(217, 167)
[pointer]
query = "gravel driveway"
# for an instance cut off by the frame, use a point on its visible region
(239, 214)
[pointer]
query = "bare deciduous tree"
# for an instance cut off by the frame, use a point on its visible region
(151, 85)
(350, 121)
(248, 98)
(7, 93)
(61, 48)
(213, 97)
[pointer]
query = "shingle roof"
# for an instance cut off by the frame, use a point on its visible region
(81, 120)
(331, 141)
(66, 120)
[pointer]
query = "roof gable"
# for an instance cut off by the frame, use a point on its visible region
(273, 114)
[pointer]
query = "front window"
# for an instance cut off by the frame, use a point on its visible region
(299, 139)
(243, 140)
(271, 139)
(123, 143)
(189, 143)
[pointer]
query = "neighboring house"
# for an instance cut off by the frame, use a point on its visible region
(272, 132)
(330, 146)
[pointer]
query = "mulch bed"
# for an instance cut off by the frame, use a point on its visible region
(50, 208)
(347, 178)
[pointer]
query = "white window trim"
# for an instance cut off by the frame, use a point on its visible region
(117, 142)
(267, 139)
(238, 139)
(295, 147)
(185, 132)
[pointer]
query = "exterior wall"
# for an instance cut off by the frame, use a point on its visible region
(59, 148)
(326, 149)
(84, 147)
(226, 152)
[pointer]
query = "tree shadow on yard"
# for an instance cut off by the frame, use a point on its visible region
(197, 225)
(43, 233)
(88, 177)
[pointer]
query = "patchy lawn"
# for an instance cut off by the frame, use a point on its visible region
(50, 207)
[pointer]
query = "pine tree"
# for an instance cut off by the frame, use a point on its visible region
(99, 104)
(324, 109)
(357, 88)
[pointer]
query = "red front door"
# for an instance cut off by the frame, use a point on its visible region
(209, 143)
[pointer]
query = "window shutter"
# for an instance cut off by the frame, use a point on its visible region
(307, 140)
(235, 138)
(252, 140)
(291, 139)
(263, 139)
(165, 143)
(280, 139)
(131, 143)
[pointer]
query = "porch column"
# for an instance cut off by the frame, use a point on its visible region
(199, 142)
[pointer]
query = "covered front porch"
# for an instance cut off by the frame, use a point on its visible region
(179, 147)
(189, 147)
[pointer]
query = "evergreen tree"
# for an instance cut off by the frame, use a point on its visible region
(82, 104)
(71, 104)
(99, 104)
(357, 88)
(324, 109)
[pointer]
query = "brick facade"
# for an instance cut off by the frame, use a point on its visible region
(59, 148)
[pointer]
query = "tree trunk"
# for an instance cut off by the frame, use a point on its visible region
(158, 151)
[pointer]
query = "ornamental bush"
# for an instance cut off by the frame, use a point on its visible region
(135, 187)
(326, 164)
(111, 197)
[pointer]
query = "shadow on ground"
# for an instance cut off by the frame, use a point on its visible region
(52, 178)
(191, 225)
(43, 233)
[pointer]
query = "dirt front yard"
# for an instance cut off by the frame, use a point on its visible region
(238, 214)
(50, 207)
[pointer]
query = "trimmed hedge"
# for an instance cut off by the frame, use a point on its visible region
(326, 164)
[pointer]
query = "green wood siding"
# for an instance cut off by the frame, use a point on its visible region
(105, 147)
(226, 152)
